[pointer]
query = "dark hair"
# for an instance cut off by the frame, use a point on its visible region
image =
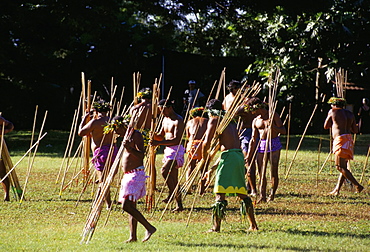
(101, 106)
(166, 103)
(234, 83)
(214, 104)
(253, 101)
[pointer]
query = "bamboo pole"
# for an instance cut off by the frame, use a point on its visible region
(30, 165)
(300, 141)
(16, 164)
(365, 164)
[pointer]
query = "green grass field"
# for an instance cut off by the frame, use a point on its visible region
(302, 217)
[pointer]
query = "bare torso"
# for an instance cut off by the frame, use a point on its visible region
(226, 104)
(145, 116)
(173, 127)
(133, 154)
(341, 121)
(95, 129)
(261, 123)
(196, 128)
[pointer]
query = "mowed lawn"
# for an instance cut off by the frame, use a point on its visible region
(302, 217)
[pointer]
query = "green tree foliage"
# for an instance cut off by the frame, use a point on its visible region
(46, 44)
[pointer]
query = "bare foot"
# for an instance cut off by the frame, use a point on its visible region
(271, 198)
(261, 200)
(335, 192)
(178, 209)
(253, 228)
(213, 231)
(253, 194)
(131, 240)
(148, 234)
(359, 188)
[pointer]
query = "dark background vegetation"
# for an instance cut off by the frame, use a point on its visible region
(45, 45)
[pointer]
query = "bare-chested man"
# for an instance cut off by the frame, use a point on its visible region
(133, 181)
(264, 130)
(342, 123)
(245, 136)
(8, 127)
(233, 87)
(195, 130)
(104, 151)
(171, 136)
(230, 173)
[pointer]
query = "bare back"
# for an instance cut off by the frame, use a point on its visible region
(341, 121)
(226, 104)
(229, 138)
(196, 128)
(143, 113)
(95, 128)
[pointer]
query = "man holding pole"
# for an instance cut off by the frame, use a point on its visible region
(265, 138)
(133, 181)
(8, 127)
(171, 136)
(230, 172)
(342, 123)
(102, 144)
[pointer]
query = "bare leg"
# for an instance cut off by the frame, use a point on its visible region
(250, 213)
(251, 173)
(274, 159)
(336, 190)
(341, 164)
(170, 174)
(216, 219)
(263, 181)
(6, 182)
(133, 226)
(107, 198)
(130, 208)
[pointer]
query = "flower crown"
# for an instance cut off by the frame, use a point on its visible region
(254, 107)
(337, 101)
(115, 124)
(198, 111)
(101, 106)
(215, 112)
(145, 94)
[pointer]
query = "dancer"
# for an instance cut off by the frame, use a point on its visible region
(270, 150)
(133, 181)
(342, 123)
(195, 130)
(104, 152)
(230, 171)
(171, 136)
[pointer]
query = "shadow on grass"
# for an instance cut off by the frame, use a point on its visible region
(238, 246)
(327, 234)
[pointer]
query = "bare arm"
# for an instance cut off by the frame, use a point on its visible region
(252, 143)
(328, 121)
(135, 145)
(211, 129)
(354, 126)
(8, 126)
(278, 125)
(86, 127)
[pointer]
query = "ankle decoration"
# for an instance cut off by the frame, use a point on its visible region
(246, 206)
(219, 210)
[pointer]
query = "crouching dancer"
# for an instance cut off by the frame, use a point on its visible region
(230, 172)
(133, 182)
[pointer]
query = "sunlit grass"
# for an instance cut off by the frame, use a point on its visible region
(302, 218)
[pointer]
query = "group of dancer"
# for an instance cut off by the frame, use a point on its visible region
(252, 143)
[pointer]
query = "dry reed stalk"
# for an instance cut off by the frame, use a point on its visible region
(221, 81)
(318, 162)
(30, 164)
(97, 204)
(288, 136)
(77, 152)
(303, 135)
(8, 160)
(365, 164)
